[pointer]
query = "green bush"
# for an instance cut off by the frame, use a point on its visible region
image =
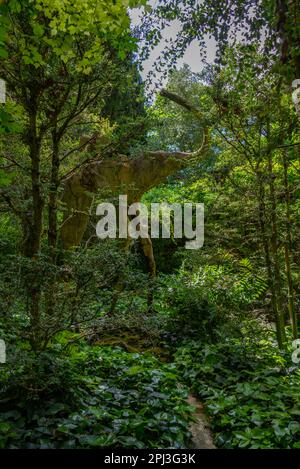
(95, 397)
(251, 392)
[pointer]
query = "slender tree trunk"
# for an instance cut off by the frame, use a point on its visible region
(288, 249)
(268, 261)
(50, 299)
(274, 249)
(52, 202)
(33, 240)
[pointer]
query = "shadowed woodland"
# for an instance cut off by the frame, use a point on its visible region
(142, 343)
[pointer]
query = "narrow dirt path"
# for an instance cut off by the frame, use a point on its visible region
(200, 430)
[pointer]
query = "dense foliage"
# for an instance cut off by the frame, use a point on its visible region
(250, 391)
(86, 397)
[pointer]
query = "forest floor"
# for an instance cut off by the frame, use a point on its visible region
(200, 429)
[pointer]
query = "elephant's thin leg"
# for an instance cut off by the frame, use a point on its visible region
(148, 252)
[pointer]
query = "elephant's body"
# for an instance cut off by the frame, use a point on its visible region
(108, 178)
(122, 176)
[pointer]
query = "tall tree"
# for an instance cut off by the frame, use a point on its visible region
(59, 69)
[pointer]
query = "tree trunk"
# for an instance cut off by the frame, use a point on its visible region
(274, 249)
(268, 261)
(33, 240)
(288, 249)
(52, 201)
